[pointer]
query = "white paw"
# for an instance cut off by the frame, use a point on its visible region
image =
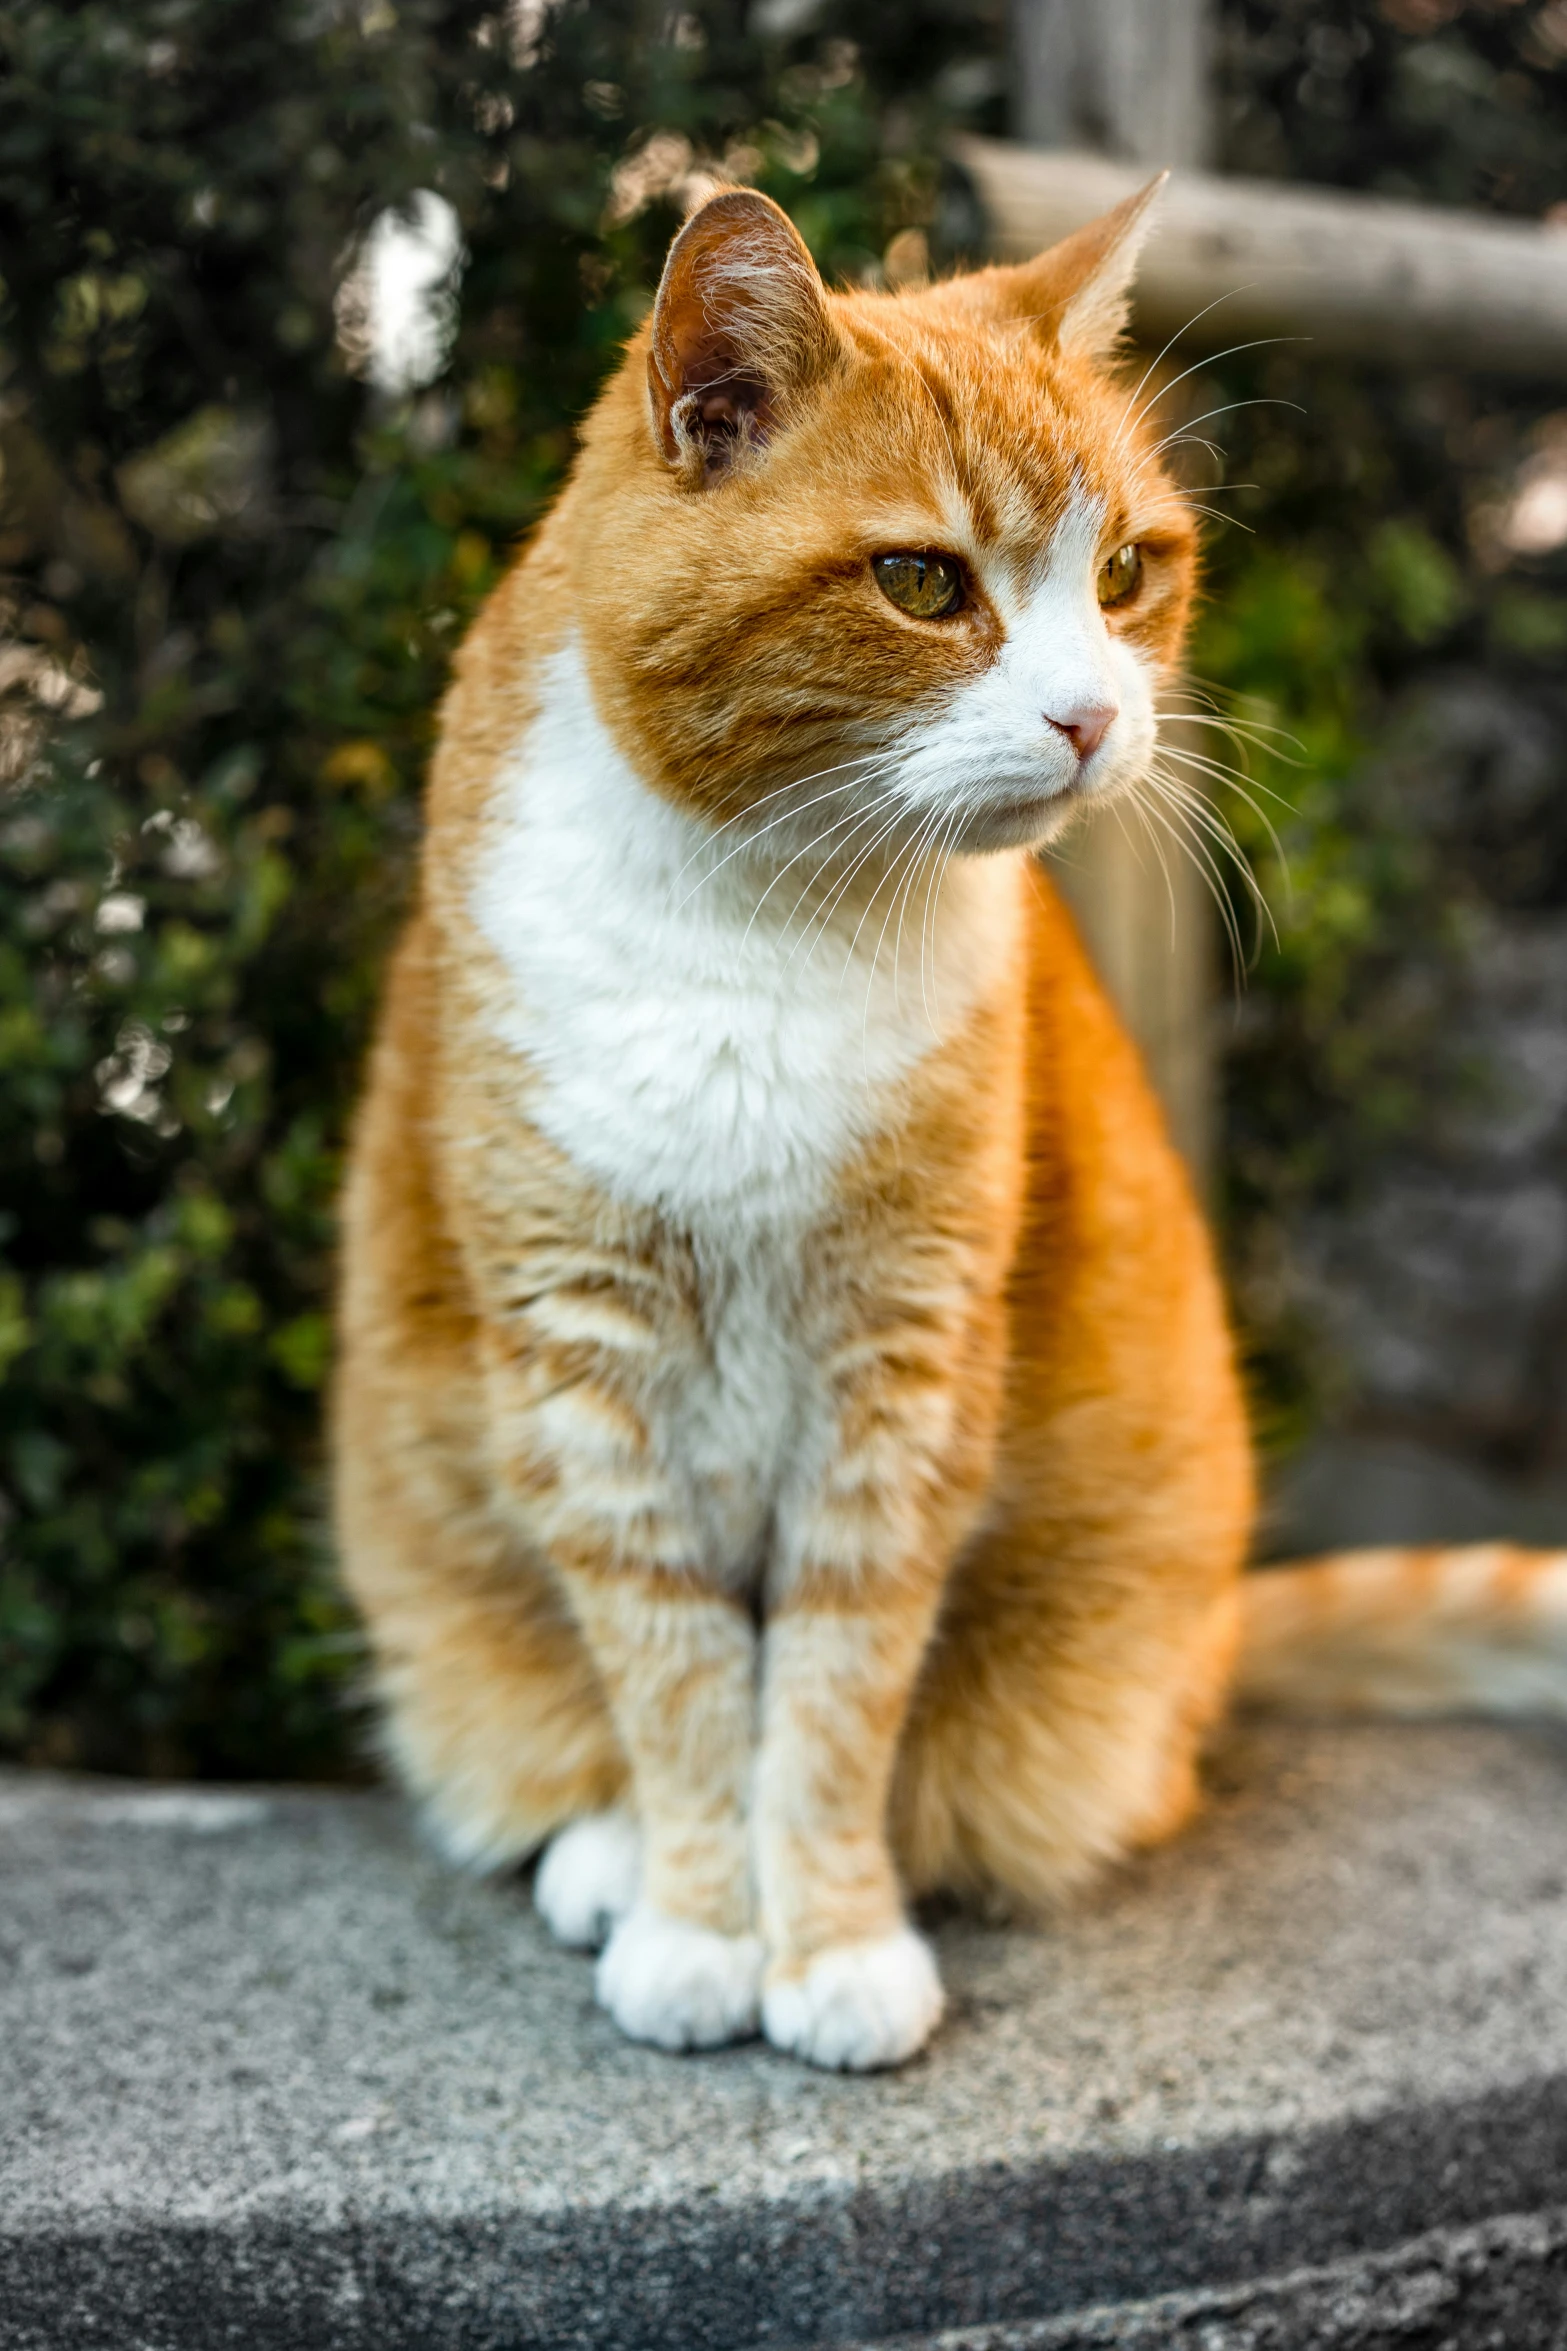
(858, 2005)
(679, 1986)
(588, 1878)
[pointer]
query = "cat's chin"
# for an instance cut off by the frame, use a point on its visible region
(1030, 821)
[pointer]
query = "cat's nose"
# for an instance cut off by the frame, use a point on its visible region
(1085, 725)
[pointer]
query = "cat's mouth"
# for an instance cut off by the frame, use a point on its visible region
(1035, 814)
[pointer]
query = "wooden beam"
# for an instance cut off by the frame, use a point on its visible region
(1230, 261)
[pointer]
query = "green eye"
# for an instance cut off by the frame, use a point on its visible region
(1121, 576)
(927, 587)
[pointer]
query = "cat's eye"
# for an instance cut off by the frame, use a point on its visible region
(927, 587)
(1121, 575)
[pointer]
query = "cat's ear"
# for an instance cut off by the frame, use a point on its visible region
(740, 332)
(1079, 292)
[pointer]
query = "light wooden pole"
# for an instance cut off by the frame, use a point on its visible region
(1130, 78)
(1350, 276)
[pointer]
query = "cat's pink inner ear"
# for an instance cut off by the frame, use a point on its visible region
(740, 329)
(1078, 293)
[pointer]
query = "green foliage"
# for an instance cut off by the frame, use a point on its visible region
(1370, 590)
(1358, 607)
(231, 583)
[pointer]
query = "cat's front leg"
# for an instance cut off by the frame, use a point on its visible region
(573, 1437)
(850, 1983)
(682, 1967)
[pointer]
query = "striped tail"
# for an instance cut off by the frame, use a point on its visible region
(1477, 1630)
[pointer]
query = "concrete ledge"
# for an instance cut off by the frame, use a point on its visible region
(269, 2076)
(1500, 2285)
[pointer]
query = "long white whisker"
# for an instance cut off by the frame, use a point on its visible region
(836, 849)
(1209, 691)
(1203, 862)
(1223, 771)
(785, 816)
(1184, 429)
(1218, 514)
(926, 927)
(1157, 847)
(1211, 359)
(804, 851)
(1196, 812)
(865, 910)
(1211, 489)
(1228, 296)
(1252, 731)
(1200, 862)
(1116, 811)
(911, 853)
(797, 784)
(944, 853)
(1234, 779)
(927, 837)
(820, 921)
(1224, 840)
(1233, 782)
(1225, 767)
(954, 849)
(1212, 819)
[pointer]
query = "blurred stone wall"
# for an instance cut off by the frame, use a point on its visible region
(1442, 1287)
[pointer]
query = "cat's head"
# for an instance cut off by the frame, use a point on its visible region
(910, 554)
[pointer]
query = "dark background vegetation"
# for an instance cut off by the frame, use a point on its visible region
(231, 576)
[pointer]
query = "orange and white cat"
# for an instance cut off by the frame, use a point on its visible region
(789, 1451)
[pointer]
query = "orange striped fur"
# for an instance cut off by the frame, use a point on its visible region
(1476, 1627)
(788, 1448)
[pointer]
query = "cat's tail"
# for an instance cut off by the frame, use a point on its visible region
(1480, 1629)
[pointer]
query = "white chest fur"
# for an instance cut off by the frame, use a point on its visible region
(693, 1050)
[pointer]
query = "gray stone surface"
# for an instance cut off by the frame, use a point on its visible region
(270, 2076)
(1502, 2286)
(1347, 1488)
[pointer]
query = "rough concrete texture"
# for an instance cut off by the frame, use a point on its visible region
(1502, 2285)
(270, 2076)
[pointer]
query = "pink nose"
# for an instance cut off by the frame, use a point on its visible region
(1085, 727)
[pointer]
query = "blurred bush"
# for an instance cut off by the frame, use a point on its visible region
(232, 572)
(232, 577)
(1391, 607)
